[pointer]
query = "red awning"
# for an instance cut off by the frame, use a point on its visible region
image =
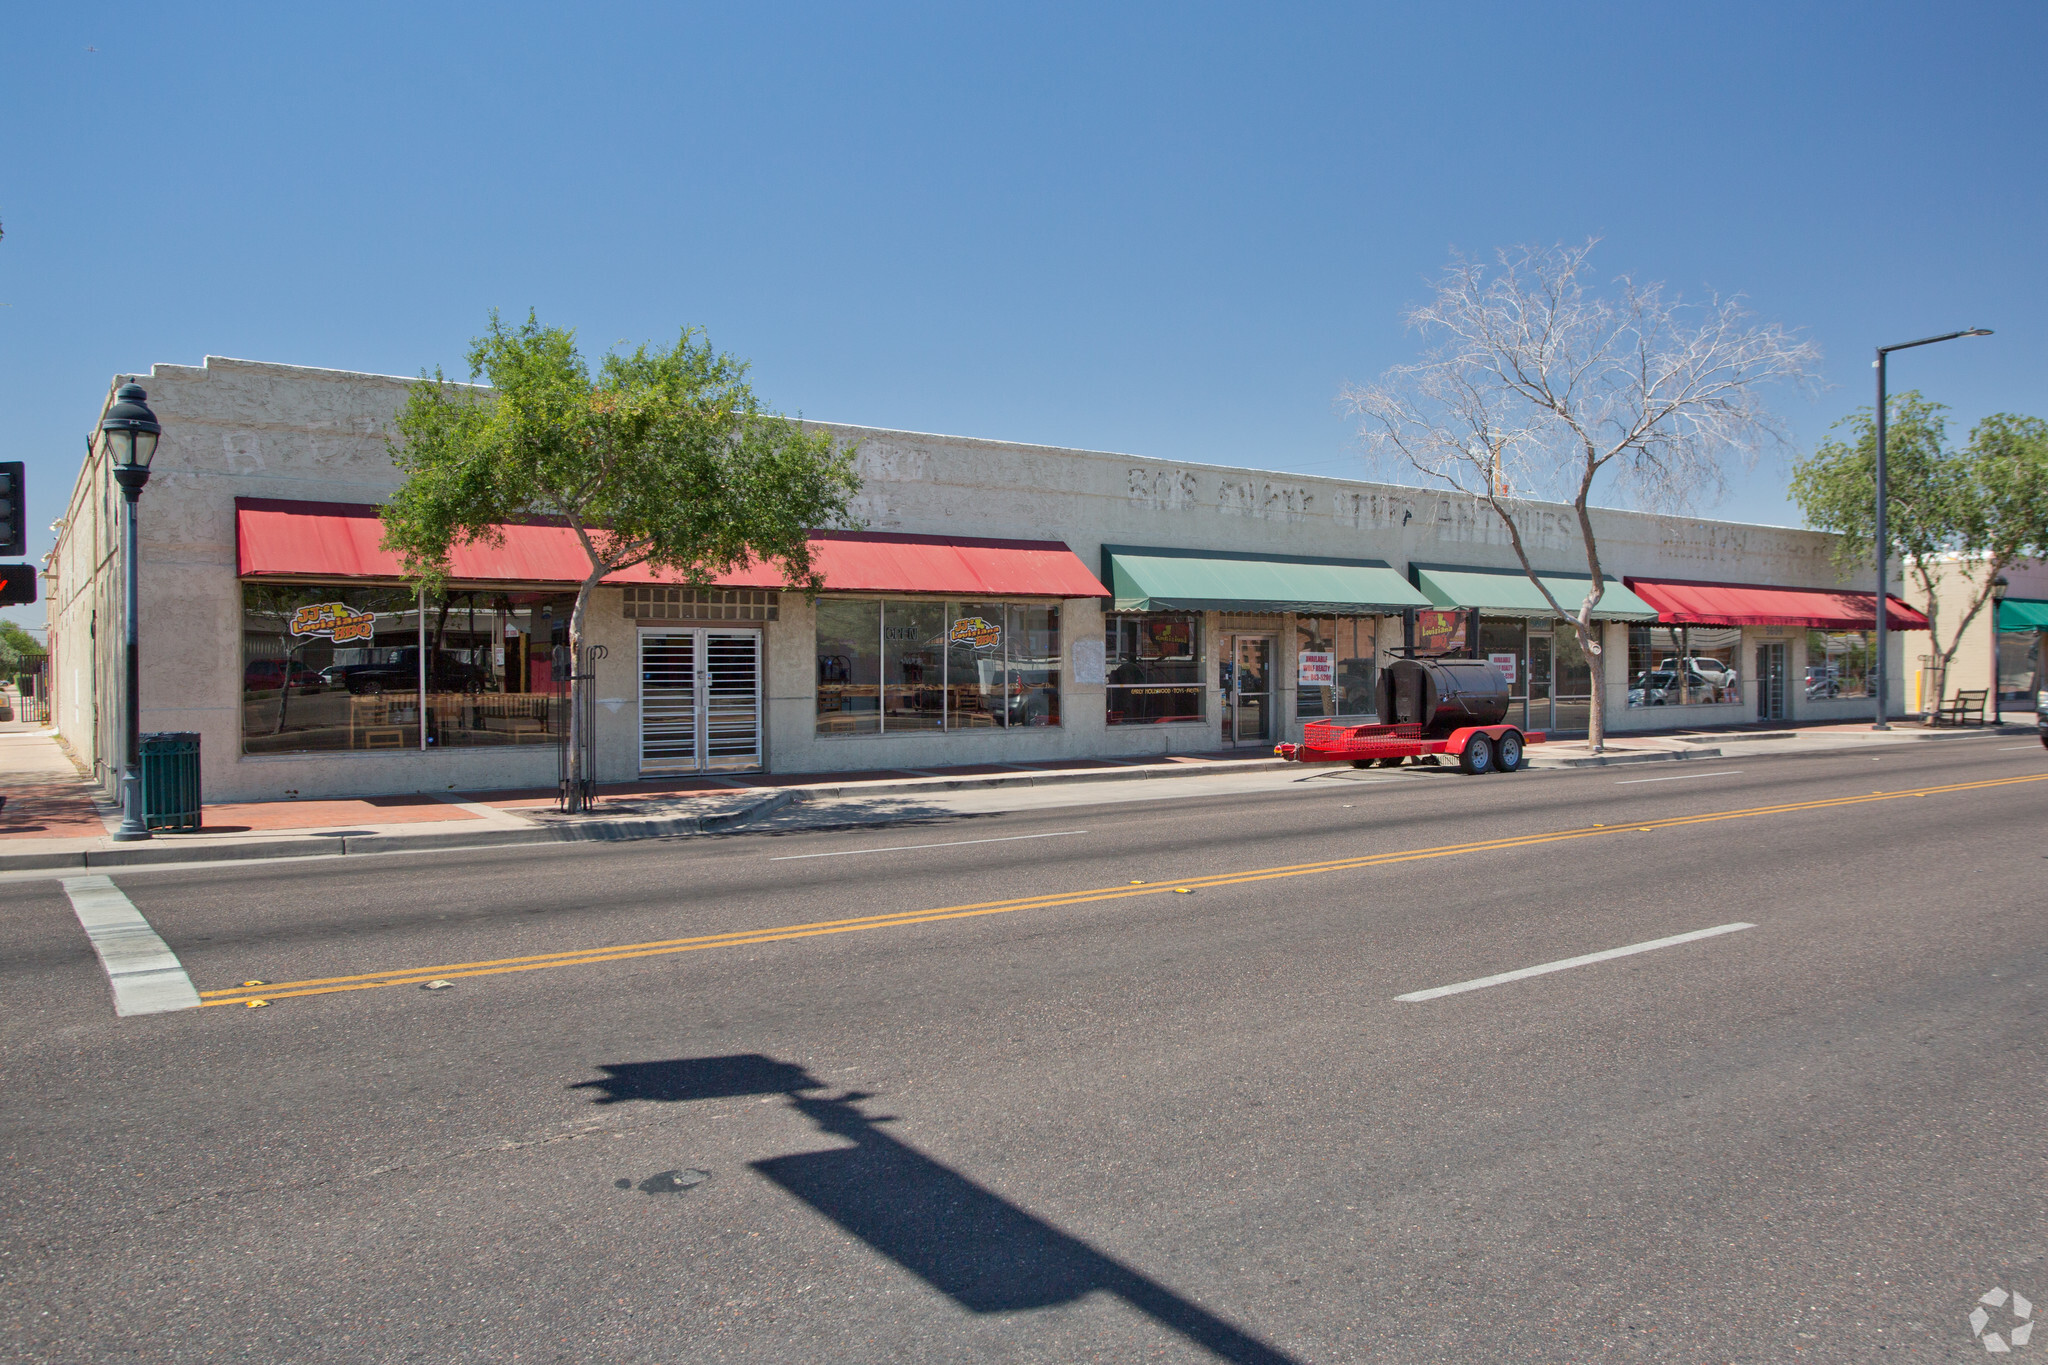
(276, 538)
(1744, 604)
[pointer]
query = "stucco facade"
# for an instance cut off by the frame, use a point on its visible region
(239, 429)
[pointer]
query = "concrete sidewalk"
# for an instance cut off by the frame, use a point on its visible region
(54, 820)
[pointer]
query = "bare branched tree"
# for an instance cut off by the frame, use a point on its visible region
(1534, 386)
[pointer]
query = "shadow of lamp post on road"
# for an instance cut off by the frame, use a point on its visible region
(971, 1244)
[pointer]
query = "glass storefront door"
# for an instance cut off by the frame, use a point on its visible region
(1247, 688)
(1540, 654)
(1770, 678)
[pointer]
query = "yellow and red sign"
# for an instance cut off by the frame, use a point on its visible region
(336, 621)
(975, 631)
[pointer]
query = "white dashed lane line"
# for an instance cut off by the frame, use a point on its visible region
(145, 974)
(1561, 964)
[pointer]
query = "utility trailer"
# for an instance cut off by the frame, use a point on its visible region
(1428, 707)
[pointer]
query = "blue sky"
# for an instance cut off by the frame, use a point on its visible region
(1173, 230)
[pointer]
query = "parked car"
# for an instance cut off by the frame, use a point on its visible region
(1661, 688)
(445, 673)
(268, 675)
(1720, 674)
(1822, 681)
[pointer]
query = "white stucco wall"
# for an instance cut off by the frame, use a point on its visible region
(237, 428)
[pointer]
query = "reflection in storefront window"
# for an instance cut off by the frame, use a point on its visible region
(885, 667)
(2019, 665)
(1154, 667)
(1334, 667)
(914, 696)
(1837, 664)
(337, 666)
(1679, 665)
(328, 668)
(490, 671)
(849, 666)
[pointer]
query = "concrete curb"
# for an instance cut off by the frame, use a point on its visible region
(1610, 760)
(154, 854)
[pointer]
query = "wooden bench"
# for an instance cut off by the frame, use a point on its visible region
(1959, 709)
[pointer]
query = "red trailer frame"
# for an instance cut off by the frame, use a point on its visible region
(1388, 745)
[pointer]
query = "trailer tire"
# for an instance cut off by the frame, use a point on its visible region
(1507, 751)
(1478, 755)
(1361, 763)
(1393, 762)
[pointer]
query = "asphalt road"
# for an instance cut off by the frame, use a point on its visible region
(991, 1088)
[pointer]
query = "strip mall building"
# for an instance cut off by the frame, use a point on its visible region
(1006, 604)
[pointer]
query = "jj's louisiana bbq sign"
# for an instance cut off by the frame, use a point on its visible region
(336, 621)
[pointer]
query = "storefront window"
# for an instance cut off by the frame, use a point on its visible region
(849, 667)
(1334, 667)
(1034, 665)
(2019, 665)
(490, 670)
(1837, 664)
(895, 666)
(1677, 665)
(913, 666)
(329, 668)
(1155, 669)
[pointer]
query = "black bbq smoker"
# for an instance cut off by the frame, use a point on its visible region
(1428, 707)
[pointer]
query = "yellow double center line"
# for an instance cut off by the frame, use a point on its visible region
(744, 937)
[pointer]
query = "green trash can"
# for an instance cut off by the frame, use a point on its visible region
(170, 781)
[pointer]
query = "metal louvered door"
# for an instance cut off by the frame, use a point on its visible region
(732, 699)
(669, 714)
(700, 701)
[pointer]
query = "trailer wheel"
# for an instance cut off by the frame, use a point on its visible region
(1361, 763)
(1507, 753)
(1393, 762)
(1478, 755)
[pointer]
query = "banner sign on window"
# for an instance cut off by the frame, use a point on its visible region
(1506, 664)
(972, 630)
(1315, 668)
(335, 621)
(1168, 639)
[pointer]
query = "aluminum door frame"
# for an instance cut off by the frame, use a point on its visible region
(1270, 697)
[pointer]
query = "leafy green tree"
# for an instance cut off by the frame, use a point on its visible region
(1974, 511)
(19, 650)
(663, 457)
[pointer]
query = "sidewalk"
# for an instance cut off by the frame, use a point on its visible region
(53, 820)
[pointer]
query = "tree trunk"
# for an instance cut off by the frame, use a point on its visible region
(1596, 660)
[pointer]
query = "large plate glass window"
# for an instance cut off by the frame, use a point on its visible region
(896, 666)
(1677, 665)
(849, 666)
(329, 667)
(1334, 667)
(1837, 664)
(490, 669)
(1154, 666)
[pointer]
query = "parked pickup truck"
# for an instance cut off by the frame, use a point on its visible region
(445, 673)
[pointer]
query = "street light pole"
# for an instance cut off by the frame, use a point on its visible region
(1883, 535)
(131, 433)
(1999, 588)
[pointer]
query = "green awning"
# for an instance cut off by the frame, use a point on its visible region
(1499, 592)
(1150, 579)
(2019, 613)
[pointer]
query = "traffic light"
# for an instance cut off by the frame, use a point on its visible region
(13, 511)
(17, 584)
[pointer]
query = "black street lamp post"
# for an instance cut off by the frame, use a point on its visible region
(131, 433)
(1999, 588)
(1883, 600)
